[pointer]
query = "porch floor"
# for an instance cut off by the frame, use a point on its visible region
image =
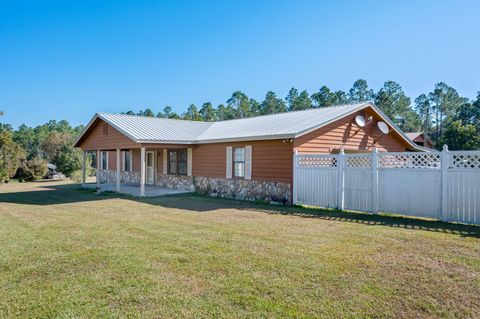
(150, 191)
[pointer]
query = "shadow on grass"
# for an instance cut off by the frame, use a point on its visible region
(51, 194)
(199, 203)
(73, 193)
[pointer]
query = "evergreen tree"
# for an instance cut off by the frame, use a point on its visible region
(207, 112)
(192, 114)
(360, 92)
(396, 105)
(324, 97)
(297, 102)
(271, 104)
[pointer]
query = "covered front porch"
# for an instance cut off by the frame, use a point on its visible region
(144, 171)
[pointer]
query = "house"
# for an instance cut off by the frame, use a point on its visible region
(249, 158)
(419, 139)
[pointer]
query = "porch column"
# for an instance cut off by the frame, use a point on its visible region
(84, 164)
(142, 171)
(98, 169)
(118, 170)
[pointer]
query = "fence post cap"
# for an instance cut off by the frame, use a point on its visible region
(445, 147)
(375, 150)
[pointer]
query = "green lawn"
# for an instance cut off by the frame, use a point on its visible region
(69, 253)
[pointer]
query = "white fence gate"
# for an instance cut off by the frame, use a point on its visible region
(443, 185)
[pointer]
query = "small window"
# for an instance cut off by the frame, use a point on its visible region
(177, 162)
(104, 160)
(239, 162)
(127, 160)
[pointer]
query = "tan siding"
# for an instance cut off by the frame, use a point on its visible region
(112, 160)
(96, 140)
(271, 160)
(345, 133)
(136, 160)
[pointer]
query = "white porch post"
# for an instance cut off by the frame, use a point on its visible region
(142, 171)
(118, 170)
(84, 164)
(98, 169)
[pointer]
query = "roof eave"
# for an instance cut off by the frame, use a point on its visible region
(358, 108)
(243, 139)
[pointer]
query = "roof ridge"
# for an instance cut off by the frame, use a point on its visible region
(298, 111)
(153, 117)
(244, 118)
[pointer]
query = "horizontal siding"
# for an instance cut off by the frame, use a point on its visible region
(346, 133)
(271, 160)
(96, 140)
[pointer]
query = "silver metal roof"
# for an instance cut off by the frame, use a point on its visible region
(282, 125)
(154, 129)
(143, 129)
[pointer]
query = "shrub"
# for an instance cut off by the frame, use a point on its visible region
(10, 156)
(32, 170)
(68, 160)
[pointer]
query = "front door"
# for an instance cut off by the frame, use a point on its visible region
(150, 168)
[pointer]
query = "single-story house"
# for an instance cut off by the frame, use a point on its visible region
(250, 158)
(419, 139)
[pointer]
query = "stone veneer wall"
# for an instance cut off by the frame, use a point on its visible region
(175, 181)
(241, 189)
(277, 192)
(109, 176)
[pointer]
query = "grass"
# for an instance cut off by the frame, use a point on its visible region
(69, 253)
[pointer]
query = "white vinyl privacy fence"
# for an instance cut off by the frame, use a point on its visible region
(443, 185)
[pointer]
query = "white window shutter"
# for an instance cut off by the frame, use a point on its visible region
(189, 162)
(248, 162)
(108, 154)
(123, 160)
(165, 162)
(229, 162)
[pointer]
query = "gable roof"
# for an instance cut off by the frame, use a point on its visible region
(143, 129)
(413, 135)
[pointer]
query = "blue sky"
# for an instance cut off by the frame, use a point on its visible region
(70, 59)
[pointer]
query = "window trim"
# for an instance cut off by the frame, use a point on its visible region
(234, 161)
(177, 161)
(104, 154)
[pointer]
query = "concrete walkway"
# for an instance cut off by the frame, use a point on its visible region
(150, 191)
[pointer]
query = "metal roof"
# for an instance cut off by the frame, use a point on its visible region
(154, 129)
(413, 135)
(143, 129)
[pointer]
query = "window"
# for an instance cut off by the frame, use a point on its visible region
(177, 162)
(239, 162)
(104, 160)
(127, 161)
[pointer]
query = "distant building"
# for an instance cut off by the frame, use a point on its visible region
(419, 138)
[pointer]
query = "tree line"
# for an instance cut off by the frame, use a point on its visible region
(444, 115)
(25, 152)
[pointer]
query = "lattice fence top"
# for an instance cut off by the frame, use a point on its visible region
(317, 161)
(465, 160)
(410, 160)
(358, 161)
(469, 160)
